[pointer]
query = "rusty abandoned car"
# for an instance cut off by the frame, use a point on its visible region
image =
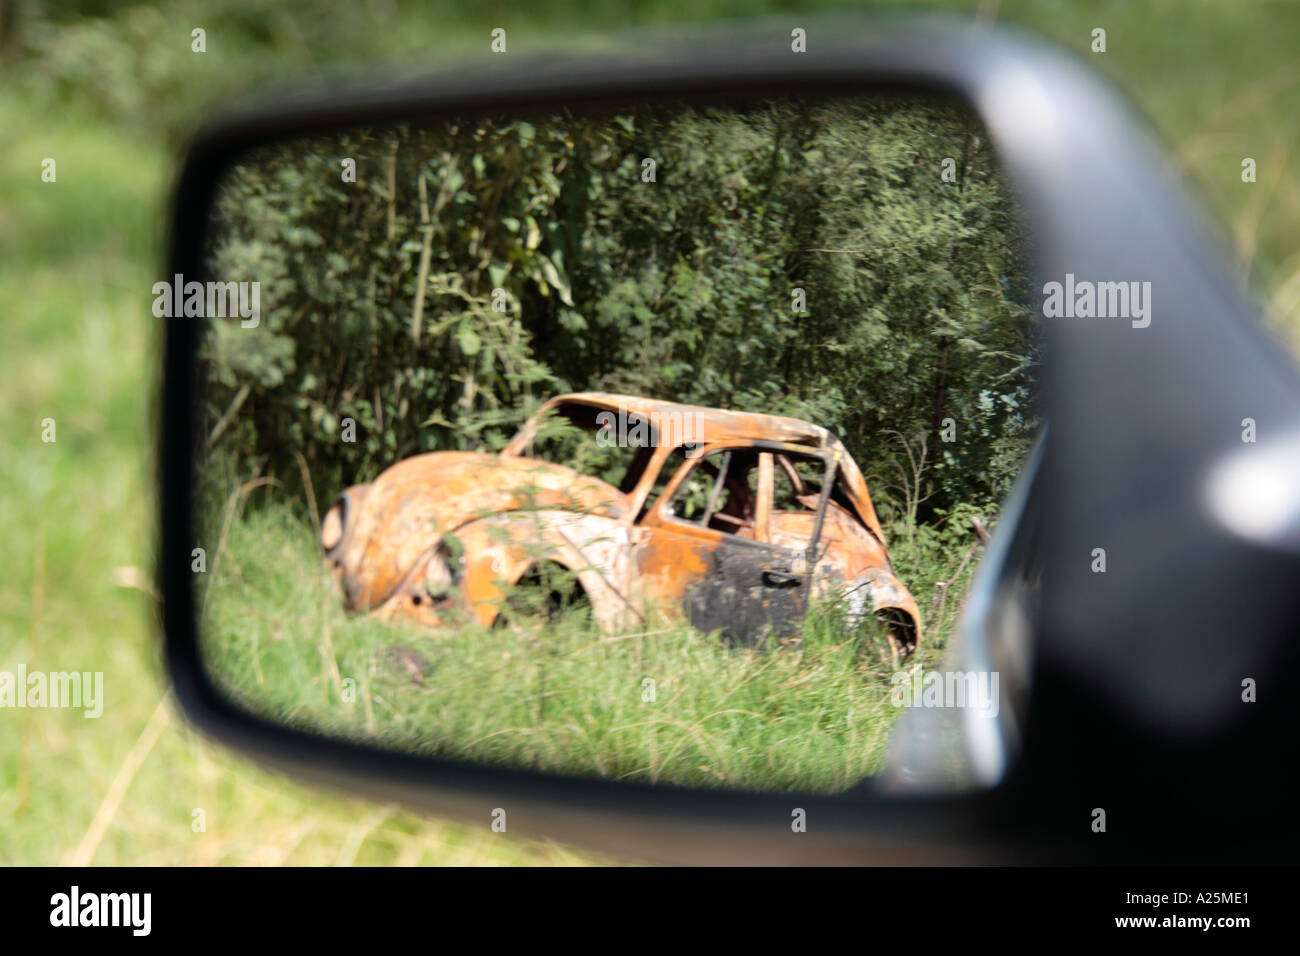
(732, 520)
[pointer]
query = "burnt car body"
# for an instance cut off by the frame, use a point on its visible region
(733, 520)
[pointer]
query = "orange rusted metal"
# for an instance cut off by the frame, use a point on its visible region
(442, 538)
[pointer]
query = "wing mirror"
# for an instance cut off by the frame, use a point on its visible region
(843, 452)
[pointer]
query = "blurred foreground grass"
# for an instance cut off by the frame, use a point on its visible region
(661, 703)
(1221, 81)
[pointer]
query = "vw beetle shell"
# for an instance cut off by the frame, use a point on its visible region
(442, 538)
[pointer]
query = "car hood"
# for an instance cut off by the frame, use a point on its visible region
(377, 532)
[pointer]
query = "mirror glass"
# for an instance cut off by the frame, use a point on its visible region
(655, 444)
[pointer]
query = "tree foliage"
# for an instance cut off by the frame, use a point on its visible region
(475, 269)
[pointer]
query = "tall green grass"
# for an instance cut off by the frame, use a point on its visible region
(664, 703)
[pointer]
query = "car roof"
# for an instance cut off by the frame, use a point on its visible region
(708, 425)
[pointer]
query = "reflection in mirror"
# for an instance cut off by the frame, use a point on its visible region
(654, 445)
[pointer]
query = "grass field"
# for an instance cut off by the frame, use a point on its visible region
(77, 259)
(663, 703)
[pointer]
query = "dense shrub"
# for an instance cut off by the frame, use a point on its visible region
(680, 288)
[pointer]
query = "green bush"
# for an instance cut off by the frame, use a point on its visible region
(679, 288)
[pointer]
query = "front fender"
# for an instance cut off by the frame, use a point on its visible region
(499, 550)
